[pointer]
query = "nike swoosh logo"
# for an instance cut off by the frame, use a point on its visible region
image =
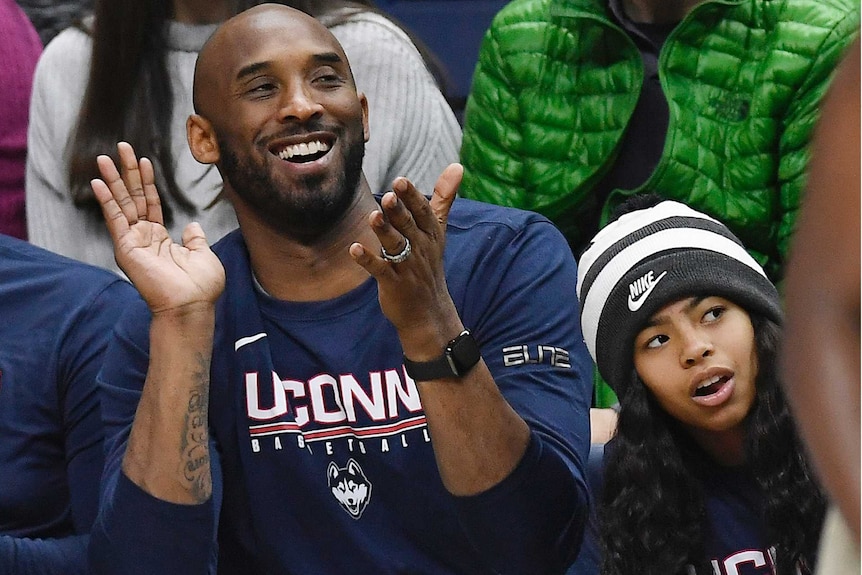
(635, 305)
(247, 340)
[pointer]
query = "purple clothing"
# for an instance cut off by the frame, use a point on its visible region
(20, 48)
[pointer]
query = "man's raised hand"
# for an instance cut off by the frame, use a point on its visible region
(412, 287)
(170, 277)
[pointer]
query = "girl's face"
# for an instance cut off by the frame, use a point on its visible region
(698, 359)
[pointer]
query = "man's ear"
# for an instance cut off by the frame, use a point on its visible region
(363, 101)
(202, 140)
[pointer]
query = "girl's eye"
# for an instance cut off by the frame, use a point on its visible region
(714, 313)
(656, 341)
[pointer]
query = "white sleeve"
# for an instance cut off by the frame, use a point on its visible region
(53, 220)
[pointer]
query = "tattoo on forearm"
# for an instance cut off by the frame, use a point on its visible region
(195, 442)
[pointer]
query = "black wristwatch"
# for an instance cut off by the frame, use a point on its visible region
(459, 357)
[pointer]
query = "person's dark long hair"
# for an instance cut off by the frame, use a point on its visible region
(652, 511)
(128, 95)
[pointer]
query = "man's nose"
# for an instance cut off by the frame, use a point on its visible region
(298, 104)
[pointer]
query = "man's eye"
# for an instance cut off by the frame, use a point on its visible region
(261, 88)
(329, 80)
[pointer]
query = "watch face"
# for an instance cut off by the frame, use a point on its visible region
(463, 352)
(459, 356)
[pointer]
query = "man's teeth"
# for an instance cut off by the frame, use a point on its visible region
(708, 382)
(303, 149)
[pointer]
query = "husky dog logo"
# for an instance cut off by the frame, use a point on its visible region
(350, 487)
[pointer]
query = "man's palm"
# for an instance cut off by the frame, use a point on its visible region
(169, 276)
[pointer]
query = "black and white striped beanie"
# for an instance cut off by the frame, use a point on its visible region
(649, 258)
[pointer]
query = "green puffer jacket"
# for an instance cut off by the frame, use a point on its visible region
(557, 81)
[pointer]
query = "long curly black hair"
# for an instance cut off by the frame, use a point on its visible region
(652, 511)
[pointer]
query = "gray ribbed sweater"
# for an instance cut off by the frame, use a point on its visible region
(413, 130)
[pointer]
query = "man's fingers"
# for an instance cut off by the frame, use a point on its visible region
(414, 209)
(115, 219)
(373, 263)
(131, 175)
(398, 222)
(153, 210)
(194, 237)
(394, 242)
(409, 224)
(445, 191)
(429, 215)
(115, 184)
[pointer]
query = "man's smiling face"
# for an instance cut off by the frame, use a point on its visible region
(291, 129)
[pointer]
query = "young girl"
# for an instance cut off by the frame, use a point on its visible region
(706, 473)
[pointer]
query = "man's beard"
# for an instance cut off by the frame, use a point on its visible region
(311, 207)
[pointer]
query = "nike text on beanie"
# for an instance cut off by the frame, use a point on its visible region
(649, 258)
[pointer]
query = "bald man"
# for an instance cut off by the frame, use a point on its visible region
(348, 383)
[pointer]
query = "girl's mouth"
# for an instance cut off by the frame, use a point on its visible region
(710, 386)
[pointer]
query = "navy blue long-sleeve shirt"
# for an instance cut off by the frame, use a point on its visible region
(56, 317)
(322, 459)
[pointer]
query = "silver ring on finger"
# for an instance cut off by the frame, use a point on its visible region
(400, 256)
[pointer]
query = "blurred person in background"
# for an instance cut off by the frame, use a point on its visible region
(57, 318)
(820, 360)
(19, 50)
(50, 17)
